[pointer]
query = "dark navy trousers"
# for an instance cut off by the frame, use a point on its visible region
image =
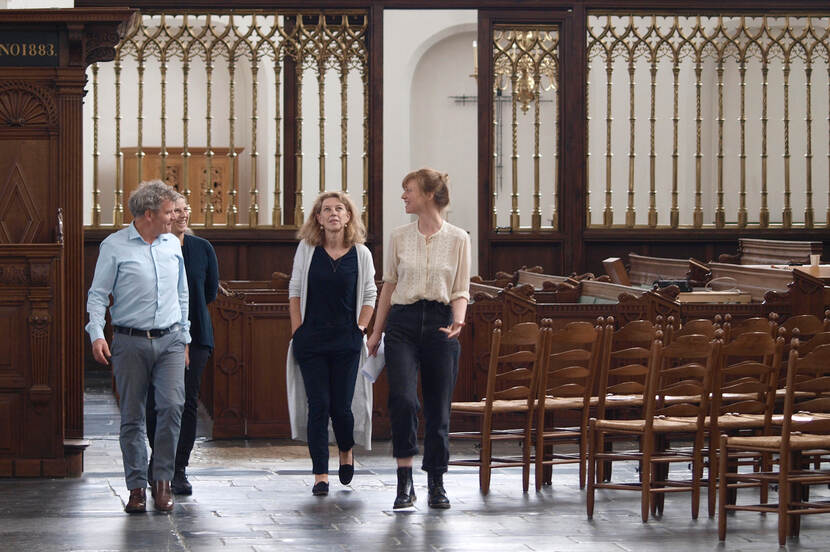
(414, 343)
(328, 359)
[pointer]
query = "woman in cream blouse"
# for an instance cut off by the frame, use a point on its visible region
(422, 306)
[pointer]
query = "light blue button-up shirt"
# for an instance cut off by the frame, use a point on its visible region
(148, 284)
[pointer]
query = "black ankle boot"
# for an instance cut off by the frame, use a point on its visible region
(437, 494)
(180, 484)
(406, 489)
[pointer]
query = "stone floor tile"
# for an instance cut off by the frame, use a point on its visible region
(256, 496)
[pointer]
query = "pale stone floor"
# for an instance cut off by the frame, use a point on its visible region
(256, 496)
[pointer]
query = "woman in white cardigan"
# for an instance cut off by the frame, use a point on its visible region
(331, 300)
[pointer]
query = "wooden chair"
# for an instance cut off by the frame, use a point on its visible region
(625, 366)
(623, 376)
(801, 432)
(743, 398)
(565, 383)
(680, 370)
(699, 326)
(804, 326)
(756, 324)
(514, 359)
(806, 346)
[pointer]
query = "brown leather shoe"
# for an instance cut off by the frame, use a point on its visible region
(137, 502)
(162, 497)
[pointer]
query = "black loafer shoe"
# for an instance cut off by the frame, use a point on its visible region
(320, 488)
(346, 472)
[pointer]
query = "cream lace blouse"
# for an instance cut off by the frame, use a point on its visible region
(436, 268)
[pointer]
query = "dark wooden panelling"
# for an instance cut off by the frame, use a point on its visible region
(227, 382)
(24, 193)
(265, 405)
(375, 223)
(10, 412)
(13, 358)
(517, 253)
(27, 468)
(31, 364)
(41, 151)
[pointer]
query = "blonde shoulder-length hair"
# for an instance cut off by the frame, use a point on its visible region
(312, 232)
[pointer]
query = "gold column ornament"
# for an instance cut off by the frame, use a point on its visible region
(96, 192)
(630, 213)
(720, 214)
(364, 74)
(118, 205)
(321, 93)
(587, 150)
(140, 121)
(514, 158)
(232, 210)
(276, 211)
(298, 154)
(163, 118)
(344, 125)
(253, 208)
(674, 217)
(764, 214)
(787, 215)
(652, 156)
(698, 213)
(207, 190)
(808, 156)
(536, 215)
(494, 219)
(185, 128)
(608, 214)
(742, 215)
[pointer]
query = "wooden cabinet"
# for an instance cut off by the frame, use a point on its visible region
(224, 170)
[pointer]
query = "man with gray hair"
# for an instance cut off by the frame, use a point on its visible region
(142, 267)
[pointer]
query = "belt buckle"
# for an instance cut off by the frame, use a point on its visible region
(149, 334)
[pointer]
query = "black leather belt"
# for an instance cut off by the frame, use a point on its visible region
(149, 334)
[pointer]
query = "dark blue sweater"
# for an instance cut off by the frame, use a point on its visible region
(203, 283)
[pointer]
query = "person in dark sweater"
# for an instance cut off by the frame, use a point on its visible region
(202, 270)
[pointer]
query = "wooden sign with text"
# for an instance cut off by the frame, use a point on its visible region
(26, 49)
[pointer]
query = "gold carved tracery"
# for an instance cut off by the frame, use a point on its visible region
(247, 46)
(740, 60)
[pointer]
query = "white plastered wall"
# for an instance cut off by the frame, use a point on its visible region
(427, 58)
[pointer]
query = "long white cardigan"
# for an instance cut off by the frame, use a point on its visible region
(297, 400)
